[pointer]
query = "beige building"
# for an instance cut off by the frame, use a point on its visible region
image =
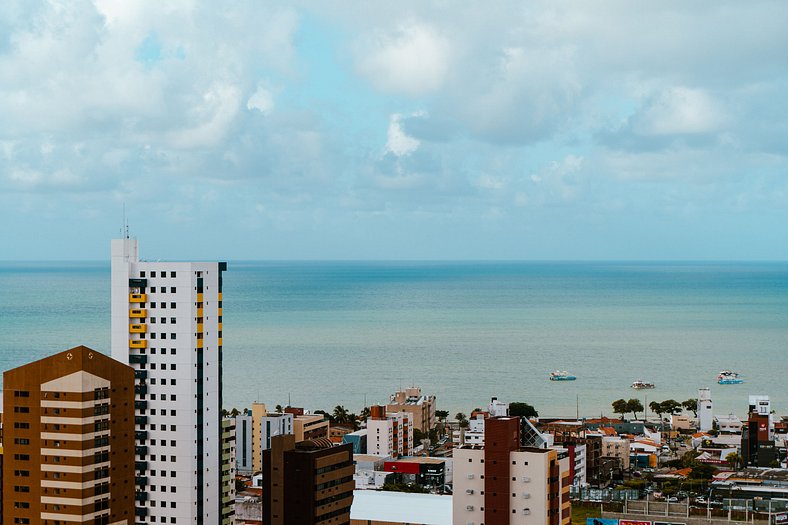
(69, 441)
(616, 447)
(310, 426)
(420, 407)
(503, 483)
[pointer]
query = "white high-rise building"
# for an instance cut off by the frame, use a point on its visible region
(167, 324)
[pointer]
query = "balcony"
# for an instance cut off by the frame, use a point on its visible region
(138, 343)
(141, 450)
(141, 496)
(141, 481)
(138, 359)
(138, 298)
(219, 311)
(138, 313)
(200, 327)
(141, 435)
(138, 328)
(140, 405)
(220, 341)
(140, 420)
(140, 511)
(141, 390)
(141, 374)
(141, 465)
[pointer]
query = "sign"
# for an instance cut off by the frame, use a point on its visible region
(633, 522)
(781, 518)
(601, 521)
(668, 523)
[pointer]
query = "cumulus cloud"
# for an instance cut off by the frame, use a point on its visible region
(411, 58)
(398, 142)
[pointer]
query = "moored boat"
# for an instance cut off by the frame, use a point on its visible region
(561, 375)
(729, 377)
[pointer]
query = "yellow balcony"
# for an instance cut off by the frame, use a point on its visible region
(138, 314)
(220, 341)
(220, 296)
(138, 343)
(199, 327)
(220, 326)
(199, 297)
(220, 312)
(199, 312)
(199, 343)
(138, 297)
(138, 328)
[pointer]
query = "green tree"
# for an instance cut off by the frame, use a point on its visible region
(442, 415)
(341, 415)
(364, 414)
(520, 409)
(656, 408)
(459, 416)
(634, 406)
(691, 404)
(325, 415)
(734, 459)
(279, 409)
(620, 406)
(418, 435)
(671, 406)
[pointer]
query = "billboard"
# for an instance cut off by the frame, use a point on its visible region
(780, 518)
(601, 521)
(668, 523)
(633, 522)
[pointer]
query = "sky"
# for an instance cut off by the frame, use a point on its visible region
(394, 130)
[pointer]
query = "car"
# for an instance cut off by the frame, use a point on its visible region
(700, 500)
(672, 499)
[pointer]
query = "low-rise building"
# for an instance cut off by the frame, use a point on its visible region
(358, 439)
(420, 470)
(399, 508)
(310, 426)
(389, 433)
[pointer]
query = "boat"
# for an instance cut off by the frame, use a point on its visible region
(729, 377)
(642, 385)
(561, 375)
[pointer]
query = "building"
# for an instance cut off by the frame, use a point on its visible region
(399, 508)
(420, 470)
(228, 471)
(618, 448)
(265, 425)
(757, 440)
(358, 439)
(167, 324)
(705, 407)
(69, 440)
(389, 434)
(505, 483)
(243, 443)
(421, 407)
(310, 426)
(307, 483)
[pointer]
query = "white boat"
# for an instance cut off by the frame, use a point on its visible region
(561, 375)
(728, 377)
(642, 385)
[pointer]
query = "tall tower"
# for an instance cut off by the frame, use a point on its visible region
(705, 416)
(69, 440)
(167, 324)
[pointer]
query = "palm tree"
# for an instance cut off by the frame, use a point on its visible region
(461, 418)
(340, 414)
(734, 459)
(279, 409)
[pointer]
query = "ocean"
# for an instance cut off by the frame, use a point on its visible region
(321, 334)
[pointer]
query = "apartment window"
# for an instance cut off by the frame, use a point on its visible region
(153, 305)
(18, 424)
(172, 397)
(153, 274)
(172, 351)
(21, 441)
(22, 410)
(142, 274)
(172, 429)
(172, 275)
(21, 505)
(22, 457)
(163, 320)
(172, 305)
(21, 488)
(21, 393)
(172, 289)
(163, 305)
(152, 289)
(172, 366)
(172, 381)
(153, 336)
(172, 336)
(22, 473)
(172, 320)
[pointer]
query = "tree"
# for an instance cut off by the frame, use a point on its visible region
(279, 409)
(634, 406)
(691, 404)
(418, 435)
(520, 409)
(234, 412)
(620, 406)
(459, 416)
(326, 415)
(364, 414)
(671, 406)
(341, 415)
(734, 459)
(656, 408)
(442, 415)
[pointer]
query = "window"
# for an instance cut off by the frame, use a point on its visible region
(18, 424)
(163, 320)
(172, 397)
(172, 289)
(172, 366)
(22, 457)
(152, 289)
(21, 441)
(172, 336)
(164, 305)
(153, 274)
(22, 410)
(21, 393)
(172, 320)
(172, 305)
(172, 275)
(142, 274)
(153, 305)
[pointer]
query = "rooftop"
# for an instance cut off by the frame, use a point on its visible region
(400, 507)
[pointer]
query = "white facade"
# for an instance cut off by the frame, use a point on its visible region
(274, 425)
(243, 442)
(380, 435)
(705, 406)
(166, 324)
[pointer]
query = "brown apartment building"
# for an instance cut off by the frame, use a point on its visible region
(69, 440)
(307, 483)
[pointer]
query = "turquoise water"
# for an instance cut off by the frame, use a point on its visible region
(328, 333)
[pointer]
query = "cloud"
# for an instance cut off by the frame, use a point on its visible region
(411, 58)
(678, 111)
(398, 142)
(261, 100)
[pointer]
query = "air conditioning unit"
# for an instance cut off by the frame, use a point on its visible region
(526, 479)
(526, 495)
(468, 507)
(469, 491)
(526, 511)
(470, 476)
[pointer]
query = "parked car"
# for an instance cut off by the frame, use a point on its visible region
(672, 499)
